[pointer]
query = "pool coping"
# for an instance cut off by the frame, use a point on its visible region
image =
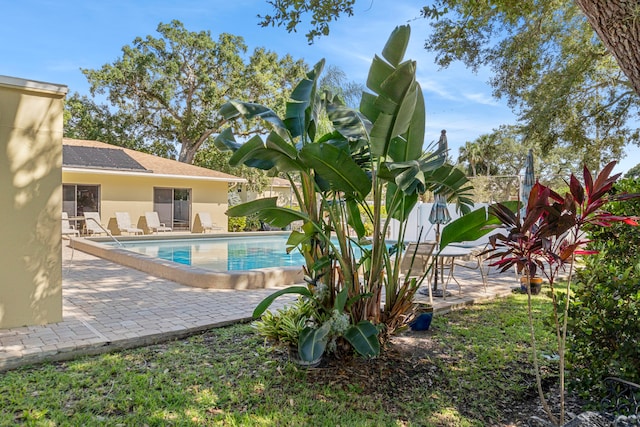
(270, 277)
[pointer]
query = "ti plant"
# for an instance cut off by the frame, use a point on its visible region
(372, 162)
(546, 241)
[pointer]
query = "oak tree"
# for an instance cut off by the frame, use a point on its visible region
(172, 86)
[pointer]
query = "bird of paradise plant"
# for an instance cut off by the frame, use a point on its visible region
(373, 161)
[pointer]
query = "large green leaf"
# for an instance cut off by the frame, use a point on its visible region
(225, 141)
(396, 86)
(337, 168)
(252, 153)
(268, 211)
(364, 338)
(368, 106)
(379, 134)
(350, 123)
(297, 117)
(354, 218)
(341, 300)
(415, 135)
(249, 110)
(274, 152)
(265, 303)
(397, 44)
(312, 342)
(379, 71)
(471, 226)
(468, 227)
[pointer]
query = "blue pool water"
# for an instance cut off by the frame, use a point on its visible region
(221, 254)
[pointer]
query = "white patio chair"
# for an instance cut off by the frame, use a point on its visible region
(205, 222)
(124, 224)
(154, 224)
(67, 228)
(93, 224)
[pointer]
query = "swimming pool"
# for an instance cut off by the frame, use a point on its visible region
(221, 254)
(185, 259)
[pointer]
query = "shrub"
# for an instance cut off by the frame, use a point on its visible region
(237, 223)
(252, 223)
(604, 314)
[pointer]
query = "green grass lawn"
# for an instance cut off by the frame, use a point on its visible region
(471, 369)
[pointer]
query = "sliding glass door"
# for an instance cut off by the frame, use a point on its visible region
(173, 206)
(78, 199)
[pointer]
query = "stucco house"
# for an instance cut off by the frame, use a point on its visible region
(99, 177)
(278, 187)
(30, 162)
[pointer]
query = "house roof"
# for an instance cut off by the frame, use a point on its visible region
(101, 158)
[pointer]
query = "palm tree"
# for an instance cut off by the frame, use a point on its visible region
(471, 153)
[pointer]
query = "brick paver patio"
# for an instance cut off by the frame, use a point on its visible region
(108, 307)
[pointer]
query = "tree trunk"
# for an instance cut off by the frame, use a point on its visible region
(617, 23)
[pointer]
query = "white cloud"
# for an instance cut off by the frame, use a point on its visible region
(481, 98)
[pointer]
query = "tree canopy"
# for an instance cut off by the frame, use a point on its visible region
(172, 86)
(547, 62)
(614, 21)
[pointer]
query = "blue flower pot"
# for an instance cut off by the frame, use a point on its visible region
(422, 322)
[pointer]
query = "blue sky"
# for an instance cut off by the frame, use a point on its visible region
(50, 40)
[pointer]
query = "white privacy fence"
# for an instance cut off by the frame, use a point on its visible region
(419, 220)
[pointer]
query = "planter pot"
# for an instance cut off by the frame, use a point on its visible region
(294, 356)
(535, 283)
(422, 322)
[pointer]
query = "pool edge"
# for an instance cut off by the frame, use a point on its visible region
(271, 277)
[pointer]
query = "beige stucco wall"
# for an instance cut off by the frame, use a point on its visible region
(285, 195)
(134, 194)
(30, 202)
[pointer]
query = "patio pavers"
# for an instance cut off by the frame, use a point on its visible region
(108, 307)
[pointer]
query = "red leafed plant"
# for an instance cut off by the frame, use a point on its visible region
(545, 240)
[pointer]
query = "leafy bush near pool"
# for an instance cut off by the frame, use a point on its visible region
(237, 223)
(604, 314)
(252, 223)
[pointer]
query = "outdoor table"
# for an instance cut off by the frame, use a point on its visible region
(446, 259)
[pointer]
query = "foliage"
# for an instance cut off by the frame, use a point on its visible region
(334, 80)
(546, 60)
(289, 13)
(551, 68)
(173, 86)
(545, 241)
(503, 153)
(603, 316)
(286, 325)
(238, 223)
(634, 172)
(372, 161)
(210, 157)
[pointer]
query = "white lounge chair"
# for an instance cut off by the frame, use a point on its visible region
(124, 224)
(154, 224)
(93, 224)
(203, 223)
(67, 228)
